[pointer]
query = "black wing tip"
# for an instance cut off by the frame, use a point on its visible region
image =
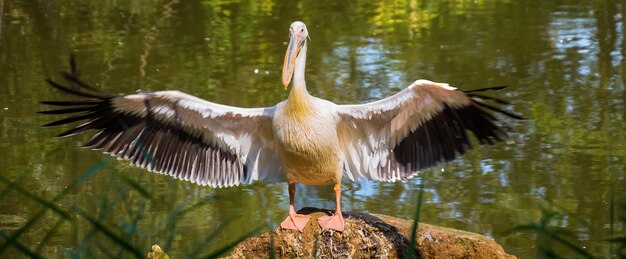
(44, 112)
(90, 104)
(51, 124)
(66, 134)
(74, 109)
(75, 85)
(499, 110)
(476, 99)
(486, 97)
(491, 88)
(446, 135)
(74, 103)
(58, 122)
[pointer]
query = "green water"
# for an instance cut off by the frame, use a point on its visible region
(564, 61)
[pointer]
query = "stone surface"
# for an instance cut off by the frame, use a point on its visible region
(367, 236)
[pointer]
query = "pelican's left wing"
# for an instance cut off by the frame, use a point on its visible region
(419, 127)
(174, 133)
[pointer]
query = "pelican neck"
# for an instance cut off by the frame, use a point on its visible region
(300, 65)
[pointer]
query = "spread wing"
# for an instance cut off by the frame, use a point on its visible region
(173, 133)
(422, 126)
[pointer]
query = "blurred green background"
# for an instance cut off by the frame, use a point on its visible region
(564, 61)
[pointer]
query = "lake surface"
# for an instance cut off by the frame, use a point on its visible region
(563, 60)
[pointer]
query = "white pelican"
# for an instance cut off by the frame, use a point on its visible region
(303, 139)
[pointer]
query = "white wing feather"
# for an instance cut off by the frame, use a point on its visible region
(244, 132)
(174, 133)
(419, 127)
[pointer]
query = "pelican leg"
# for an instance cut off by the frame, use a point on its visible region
(335, 221)
(294, 220)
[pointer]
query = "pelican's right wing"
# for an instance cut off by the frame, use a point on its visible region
(174, 133)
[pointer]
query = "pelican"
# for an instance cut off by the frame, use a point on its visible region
(303, 139)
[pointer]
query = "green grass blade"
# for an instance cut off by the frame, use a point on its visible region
(520, 228)
(612, 213)
(204, 201)
(136, 186)
(38, 199)
(567, 243)
(108, 233)
(24, 249)
(12, 239)
(91, 171)
(416, 219)
(106, 208)
(272, 248)
(563, 211)
(178, 212)
(550, 233)
(13, 183)
(104, 250)
(225, 248)
(211, 236)
(49, 235)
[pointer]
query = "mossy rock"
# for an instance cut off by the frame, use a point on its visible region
(367, 236)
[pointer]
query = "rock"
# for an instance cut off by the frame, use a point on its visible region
(368, 236)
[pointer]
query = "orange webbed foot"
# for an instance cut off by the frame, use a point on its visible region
(335, 222)
(295, 222)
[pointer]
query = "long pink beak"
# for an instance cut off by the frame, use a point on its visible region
(289, 64)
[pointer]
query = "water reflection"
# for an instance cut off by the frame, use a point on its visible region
(564, 63)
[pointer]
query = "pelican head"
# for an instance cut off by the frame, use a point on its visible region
(297, 39)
